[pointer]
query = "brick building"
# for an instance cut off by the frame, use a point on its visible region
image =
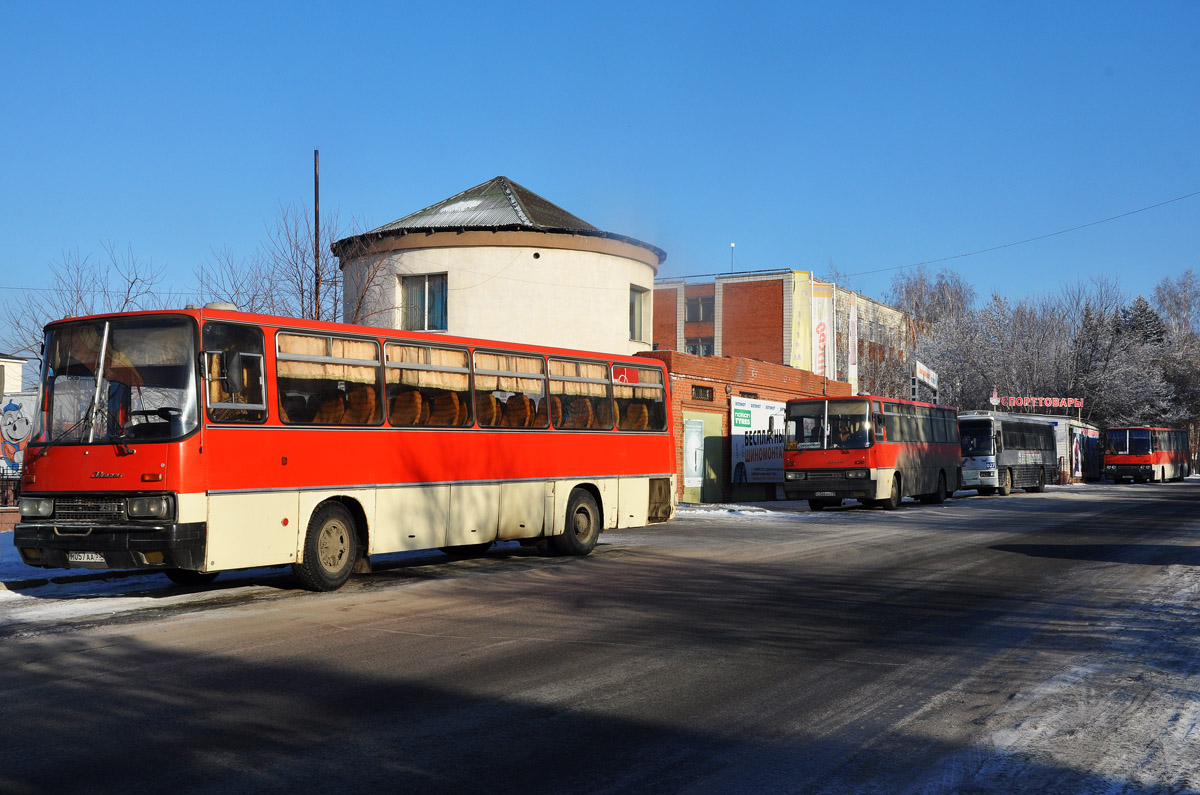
(781, 317)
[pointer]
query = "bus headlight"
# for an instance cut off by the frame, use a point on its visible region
(856, 473)
(157, 507)
(791, 475)
(36, 507)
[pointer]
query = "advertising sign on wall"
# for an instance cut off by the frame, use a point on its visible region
(756, 431)
(693, 454)
(852, 353)
(824, 340)
(801, 357)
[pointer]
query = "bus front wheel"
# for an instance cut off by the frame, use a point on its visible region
(330, 549)
(582, 532)
(892, 501)
(1006, 482)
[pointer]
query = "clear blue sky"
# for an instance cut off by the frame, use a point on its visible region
(864, 135)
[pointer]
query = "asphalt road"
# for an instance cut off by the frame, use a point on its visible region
(1024, 643)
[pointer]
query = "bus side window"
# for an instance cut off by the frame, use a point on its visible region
(233, 370)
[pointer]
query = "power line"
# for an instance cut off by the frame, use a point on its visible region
(1031, 239)
(965, 254)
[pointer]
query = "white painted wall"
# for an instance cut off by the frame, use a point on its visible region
(544, 296)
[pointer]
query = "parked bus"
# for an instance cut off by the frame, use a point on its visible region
(872, 449)
(1146, 453)
(1002, 453)
(201, 440)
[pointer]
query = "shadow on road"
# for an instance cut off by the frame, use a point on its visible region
(207, 723)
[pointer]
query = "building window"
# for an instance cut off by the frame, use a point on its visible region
(750, 395)
(699, 309)
(637, 299)
(699, 346)
(424, 298)
(702, 392)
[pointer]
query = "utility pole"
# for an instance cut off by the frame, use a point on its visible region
(317, 234)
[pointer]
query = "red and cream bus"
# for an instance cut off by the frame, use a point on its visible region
(872, 449)
(201, 440)
(1146, 453)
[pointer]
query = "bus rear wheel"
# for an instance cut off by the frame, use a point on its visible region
(330, 549)
(1041, 483)
(582, 532)
(938, 497)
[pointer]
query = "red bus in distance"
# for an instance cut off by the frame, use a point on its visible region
(1145, 453)
(872, 449)
(201, 440)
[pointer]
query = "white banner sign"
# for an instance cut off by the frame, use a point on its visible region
(824, 340)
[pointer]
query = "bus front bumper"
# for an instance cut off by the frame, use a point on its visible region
(61, 546)
(1131, 471)
(974, 478)
(838, 484)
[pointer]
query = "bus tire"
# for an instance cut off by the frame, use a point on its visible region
(330, 549)
(892, 501)
(1041, 483)
(1006, 482)
(190, 578)
(936, 497)
(582, 532)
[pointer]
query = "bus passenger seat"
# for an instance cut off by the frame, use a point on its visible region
(578, 414)
(293, 409)
(518, 412)
(332, 409)
(556, 411)
(443, 409)
(487, 409)
(360, 406)
(637, 417)
(406, 408)
(606, 411)
(464, 409)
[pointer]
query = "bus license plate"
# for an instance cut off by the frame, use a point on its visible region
(85, 557)
(826, 494)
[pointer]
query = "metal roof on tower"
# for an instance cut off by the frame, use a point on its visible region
(498, 205)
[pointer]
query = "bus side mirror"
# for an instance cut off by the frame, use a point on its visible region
(233, 372)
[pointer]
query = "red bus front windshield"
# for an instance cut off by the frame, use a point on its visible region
(118, 379)
(828, 424)
(1132, 441)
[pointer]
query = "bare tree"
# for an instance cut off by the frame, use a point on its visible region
(282, 277)
(81, 285)
(247, 284)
